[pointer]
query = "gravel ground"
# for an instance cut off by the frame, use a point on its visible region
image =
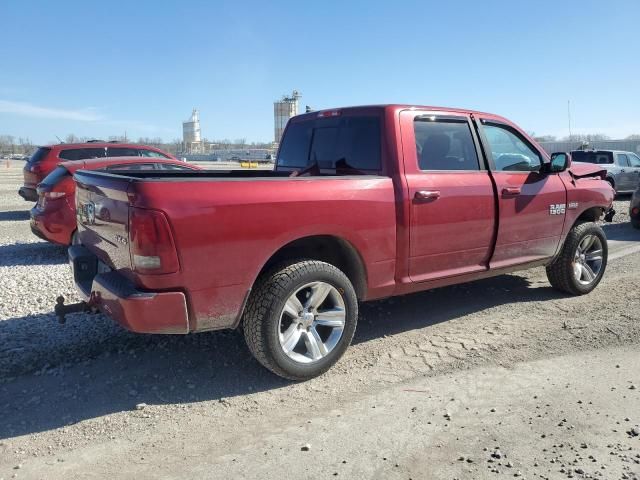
(68, 394)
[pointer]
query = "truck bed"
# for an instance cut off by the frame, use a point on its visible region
(226, 225)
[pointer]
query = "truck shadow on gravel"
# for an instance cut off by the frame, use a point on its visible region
(14, 215)
(52, 376)
(38, 253)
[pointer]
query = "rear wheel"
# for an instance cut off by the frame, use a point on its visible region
(300, 319)
(582, 261)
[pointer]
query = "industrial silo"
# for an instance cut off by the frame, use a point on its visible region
(283, 110)
(191, 133)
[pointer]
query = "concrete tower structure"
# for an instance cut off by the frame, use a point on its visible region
(283, 110)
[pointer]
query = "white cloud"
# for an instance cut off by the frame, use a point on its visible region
(28, 110)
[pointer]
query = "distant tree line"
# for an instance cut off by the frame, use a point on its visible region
(580, 137)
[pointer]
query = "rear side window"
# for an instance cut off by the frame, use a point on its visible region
(445, 145)
(349, 144)
(39, 155)
(601, 158)
(122, 152)
(152, 154)
(82, 153)
(58, 174)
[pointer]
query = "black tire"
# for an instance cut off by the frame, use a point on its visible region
(561, 272)
(261, 319)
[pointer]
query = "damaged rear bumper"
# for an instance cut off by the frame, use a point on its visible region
(117, 297)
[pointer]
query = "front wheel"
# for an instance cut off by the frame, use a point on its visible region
(582, 261)
(300, 319)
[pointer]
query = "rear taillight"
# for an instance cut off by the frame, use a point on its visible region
(151, 242)
(635, 211)
(54, 195)
(35, 168)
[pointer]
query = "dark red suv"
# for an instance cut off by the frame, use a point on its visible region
(45, 159)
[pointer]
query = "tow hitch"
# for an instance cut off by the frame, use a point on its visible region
(62, 310)
(608, 216)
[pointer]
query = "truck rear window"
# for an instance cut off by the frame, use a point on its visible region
(592, 157)
(348, 144)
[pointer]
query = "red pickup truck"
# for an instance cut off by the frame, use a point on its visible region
(364, 203)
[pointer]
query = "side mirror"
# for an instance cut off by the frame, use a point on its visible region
(560, 161)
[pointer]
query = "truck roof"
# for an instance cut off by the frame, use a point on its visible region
(403, 106)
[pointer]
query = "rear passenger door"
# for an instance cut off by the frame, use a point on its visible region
(531, 204)
(451, 198)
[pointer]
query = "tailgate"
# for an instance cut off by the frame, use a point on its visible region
(102, 211)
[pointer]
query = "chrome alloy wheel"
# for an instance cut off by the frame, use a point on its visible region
(587, 261)
(312, 322)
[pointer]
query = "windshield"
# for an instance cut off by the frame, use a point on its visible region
(592, 157)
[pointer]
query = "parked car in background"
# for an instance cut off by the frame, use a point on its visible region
(46, 158)
(623, 168)
(634, 208)
(53, 218)
(364, 203)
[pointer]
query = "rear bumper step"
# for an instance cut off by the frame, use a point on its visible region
(116, 296)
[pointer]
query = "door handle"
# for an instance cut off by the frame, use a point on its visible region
(511, 191)
(427, 195)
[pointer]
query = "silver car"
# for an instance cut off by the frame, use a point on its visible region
(623, 168)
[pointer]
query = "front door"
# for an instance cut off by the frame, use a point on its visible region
(451, 198)
(634, 160)
(531, 204)
(625, 177)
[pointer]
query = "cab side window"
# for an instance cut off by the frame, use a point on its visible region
(445, 144)
(510, 151)
(623, 161)
(634, 159)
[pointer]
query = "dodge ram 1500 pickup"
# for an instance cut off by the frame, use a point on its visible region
(364, 203)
